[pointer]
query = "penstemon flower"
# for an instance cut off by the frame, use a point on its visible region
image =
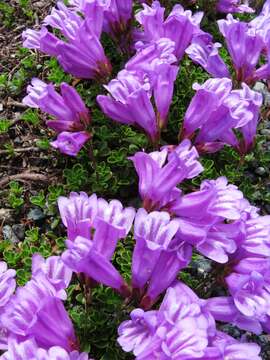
(67, 108)
(70, 115)
(8, 285)
(81, 54)
(36, 310)
(245, 45)
(204, 52)
(90, 253)
(182, 328)
(28, 350)
(161, 171)
(222, 112)
(234, 6)
(158, 254)
(179, 26)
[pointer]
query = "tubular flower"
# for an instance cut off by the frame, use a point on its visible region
(81, 54)
(179, 26)
(7, 286)
(115, 15)
(67, 108)
(83, 256)
(156, 250)
(261, 23)
(161, 171)
(117, 22)
(70, 143)
(203, 218)
(90, 253)
(234, 6)
(71, 116)
(54, 269)
(223, 309)
(222, 112)
(29, 350)
(149, 74)
(224, 347)
(79, 214)
(37, 311)
(245, 45)
(205, 53)
(182, 328)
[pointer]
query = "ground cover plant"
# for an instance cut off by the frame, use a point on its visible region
(135, 151)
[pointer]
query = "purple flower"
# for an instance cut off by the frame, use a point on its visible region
(250, 291)
(70, 143)
(7, 288)
(223, 309)
(64, 19)
(90, 253)
(83, 256)
(117, 17)
(245, 46)
(28, 349)
(161, 171)
(224, 347)
(261, 22)
(68, 109)
(179, 329)
(148, 74)
(81, 53)
(205, 53)
(111, 16)
(153, 233)
(234, 6)
(217, 111)
(114, 213)
(7, 284)
(148, 58)
(84, 57)
(203, 216)
(179, 26)
(54, 269)
(36, 311)
(137, 334)
(129, 103)
(80, 213)
(42, 40)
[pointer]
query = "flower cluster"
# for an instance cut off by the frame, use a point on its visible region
(215, 220)
(34, 322)
(70, 115)
(182, 328)
(220, 113)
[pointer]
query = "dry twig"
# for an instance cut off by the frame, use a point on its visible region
(20, 150)
(23, 177)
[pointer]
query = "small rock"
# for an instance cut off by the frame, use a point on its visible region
(260, 87)
(264, 339)
(266, 98)
(17, 140)
(266, 124)
(19, 231)
(36, 214)
(8, 234)
(265, 132)
(201, 265)
(6, 215)
(260, 171)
